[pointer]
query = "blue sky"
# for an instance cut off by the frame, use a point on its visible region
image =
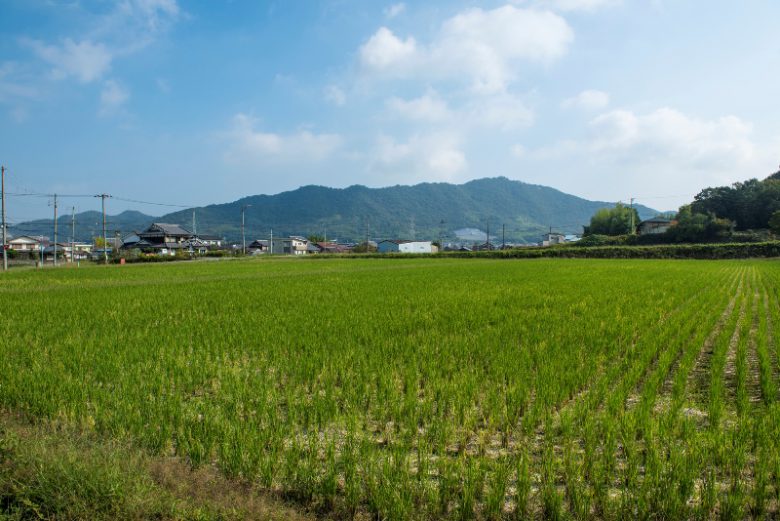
(204, 102)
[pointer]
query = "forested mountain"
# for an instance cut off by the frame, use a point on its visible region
(89, 224)
(423, 211)
(403, 211)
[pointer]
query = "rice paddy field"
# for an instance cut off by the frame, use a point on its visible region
(422, 388)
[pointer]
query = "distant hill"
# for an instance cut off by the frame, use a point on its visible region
(412, 212)
(88, 225)
(421, 211)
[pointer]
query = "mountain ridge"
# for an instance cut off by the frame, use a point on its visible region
(423, 211)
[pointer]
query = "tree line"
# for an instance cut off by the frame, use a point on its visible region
(746, 210)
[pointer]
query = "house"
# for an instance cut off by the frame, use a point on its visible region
(485, 246)
(551, 239)
(28, 243)
(403, 246)
(331, 247)
(195, 245)
(293, 245)
(98, 254)
(212, 241)
(130, 240)
(654, 226)
(257, 247)
(164, 239)
(70, 251)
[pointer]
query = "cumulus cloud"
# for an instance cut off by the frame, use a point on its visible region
(480, 45)
(587, 100)
(394, 10)
(247, 143)
(385, 51)
(85, 60)
(667, 134)
(655, 153)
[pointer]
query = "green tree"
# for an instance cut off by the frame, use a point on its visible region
(694, 226)
(316, 238)
(613, 221)
(774, 222)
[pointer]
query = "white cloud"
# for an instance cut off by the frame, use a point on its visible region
(335, 95)
(501, 111)
(428, 156)
(127, 27)
(574, 5)
(85, 60)
(246, 143)
(394, 10)
(384, 50)
(587, 100)
(667, 134)
(652, 154)
(429, 107)
(478, 45)
(112, 97)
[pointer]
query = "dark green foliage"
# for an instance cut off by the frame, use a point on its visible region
(659, 251)
(394, 212)
(613, 221)
(697, 227)
(774, 222)
(89, 225)
(749, 204)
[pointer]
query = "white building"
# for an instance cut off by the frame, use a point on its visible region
(28, 243)
(553, 238)
(293, 245)
(401, 246)
(654, 226)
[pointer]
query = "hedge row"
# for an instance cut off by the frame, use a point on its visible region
(667, 251)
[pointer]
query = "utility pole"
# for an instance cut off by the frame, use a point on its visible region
(243, 233)
(271, 244)
(367, 249)
(55, 230)
(103, 198)
(503, 236)
(194, 229)
(487, 243)
(2, 193)
(441, 231)
(73, 235)
(633, 231)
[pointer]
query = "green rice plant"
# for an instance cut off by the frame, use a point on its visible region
(352, 386)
